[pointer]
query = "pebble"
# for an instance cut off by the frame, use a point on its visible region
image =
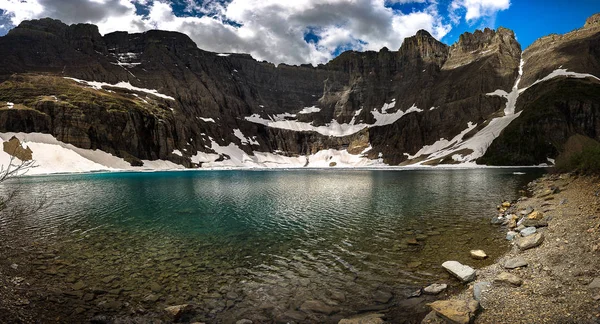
(78, 285)
(505, 277)
(528, 231)
(535, 215)
(415, 264)
(511, 235)
(244, 321)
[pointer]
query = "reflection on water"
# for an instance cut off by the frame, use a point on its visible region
(260, 243)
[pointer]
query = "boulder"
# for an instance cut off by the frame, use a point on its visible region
(531, 241)
(508, 278)
(460, 271)
(456, 311)
(514, 263)
(478, 254)
(435, 289)
(506, 204)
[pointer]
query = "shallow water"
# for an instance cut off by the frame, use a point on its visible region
(255, 244)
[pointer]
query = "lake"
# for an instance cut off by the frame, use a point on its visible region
(257, 244)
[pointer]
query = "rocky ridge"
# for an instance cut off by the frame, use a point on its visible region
(158, 97)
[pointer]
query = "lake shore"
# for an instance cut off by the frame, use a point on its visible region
(40, 280)
(550, 276)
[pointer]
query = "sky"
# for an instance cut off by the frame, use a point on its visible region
(308, 31)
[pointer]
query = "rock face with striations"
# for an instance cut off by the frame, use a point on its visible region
(178, 98)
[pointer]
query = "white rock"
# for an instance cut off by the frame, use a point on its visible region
(460, 271)
(435, 289)
(478, 254)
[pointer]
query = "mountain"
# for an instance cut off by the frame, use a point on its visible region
(154, 99)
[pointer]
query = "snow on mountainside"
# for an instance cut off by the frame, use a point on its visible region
(155, 101)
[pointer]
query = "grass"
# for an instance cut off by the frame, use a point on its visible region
(30, 90)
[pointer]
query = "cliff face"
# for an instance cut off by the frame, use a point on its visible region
(561, 98)
(156, 93)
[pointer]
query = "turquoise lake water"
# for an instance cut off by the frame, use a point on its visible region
(259, 243)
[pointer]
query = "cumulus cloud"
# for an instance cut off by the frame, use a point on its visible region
(271, 30)
(476, 9)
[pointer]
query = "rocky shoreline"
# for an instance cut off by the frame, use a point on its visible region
(552, 272)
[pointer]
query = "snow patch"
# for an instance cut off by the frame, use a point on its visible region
(223, 55)
(123, 85)
(322, 159)
(10, 105)
(309, 110)
(238, 133)
(207, 120)
(53, 156)
(177, 152)
(442, 143)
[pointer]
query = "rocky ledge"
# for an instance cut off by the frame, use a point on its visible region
(552, 273)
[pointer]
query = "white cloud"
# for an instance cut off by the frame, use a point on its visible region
(272, 30)
(476, 9)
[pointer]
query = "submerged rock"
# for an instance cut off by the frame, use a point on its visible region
(176, 312)
(435, 289)
(462, 272)
(382, 296)
(316, 306)
(363, 319)
(478, 254)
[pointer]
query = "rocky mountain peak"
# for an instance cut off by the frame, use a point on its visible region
(593, 21)
(425, 47)
(481, 44)
(46, 25)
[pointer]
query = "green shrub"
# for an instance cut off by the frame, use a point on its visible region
(587, 161)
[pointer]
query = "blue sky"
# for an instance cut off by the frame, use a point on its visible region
(532, 19)
(308, 31)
